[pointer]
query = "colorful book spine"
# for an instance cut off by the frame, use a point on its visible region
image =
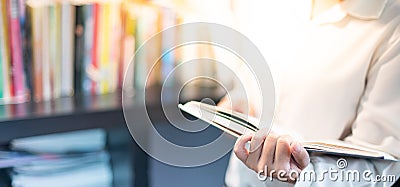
(128, 46)
(25, 24)
(35, 14)
(2, 59)
(67, 53)
(115, 37)
(89, 39)
(50, 49)
(104, 64)
(18, 76)
(95, 48)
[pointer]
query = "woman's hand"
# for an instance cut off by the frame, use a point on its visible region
(272, 155)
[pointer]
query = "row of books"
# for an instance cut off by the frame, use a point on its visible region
(51, 49)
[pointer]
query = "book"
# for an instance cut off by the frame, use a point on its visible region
(2, 59)
(5, 55)
(46, 63)
(104, 44)
(115, 39)
(87, 76)
(34, 12)
(168, 38)
(1, 73)
(67, 52)
(79, 46)
(236, 124)
(127, 71)
(95, 49)
(18, 90)
(26, 36)
(148, 23)
(74, 158)
(55, 59)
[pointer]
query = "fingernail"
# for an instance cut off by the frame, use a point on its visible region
(297, 148)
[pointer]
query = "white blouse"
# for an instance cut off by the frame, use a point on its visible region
(337, 76)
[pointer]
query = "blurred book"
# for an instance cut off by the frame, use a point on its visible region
(65, 159)
(90, 175)
(51, 49)
(13, 86)
(79, 141)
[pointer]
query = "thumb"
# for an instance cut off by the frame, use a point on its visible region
(240, 147)
(300, 155)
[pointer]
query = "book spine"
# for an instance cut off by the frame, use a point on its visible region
(25, 24)
(36, 19)
(2, 59)
(79, 47)
(54, 48)
(128, 47)
(95, 54)
(168, 38)
(5, 51)
(140, 65)
(67, 37)
(148, 25)
(46, 54)
(18, 76)
(122, 46)
(115, 31)
(57, 55)
(105, 49)
(89, 32)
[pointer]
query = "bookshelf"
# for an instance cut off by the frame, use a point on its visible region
(64, 114)
(95, 111)
(79, 113)
(56, 60)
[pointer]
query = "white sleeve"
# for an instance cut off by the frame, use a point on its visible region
(377, 124)
(378, 119)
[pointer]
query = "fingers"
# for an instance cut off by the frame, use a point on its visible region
(279, 153)
(240, 147)
(283, 153)
(300, 155)
(256, 150)
(268, 153)
(258, 140)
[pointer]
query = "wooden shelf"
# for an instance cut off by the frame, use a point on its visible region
(82, 112)
(65, 114)
(60, 115)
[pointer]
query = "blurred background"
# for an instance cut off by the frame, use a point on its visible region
(62, 67)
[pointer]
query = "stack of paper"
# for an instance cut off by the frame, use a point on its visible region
(68, 159)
